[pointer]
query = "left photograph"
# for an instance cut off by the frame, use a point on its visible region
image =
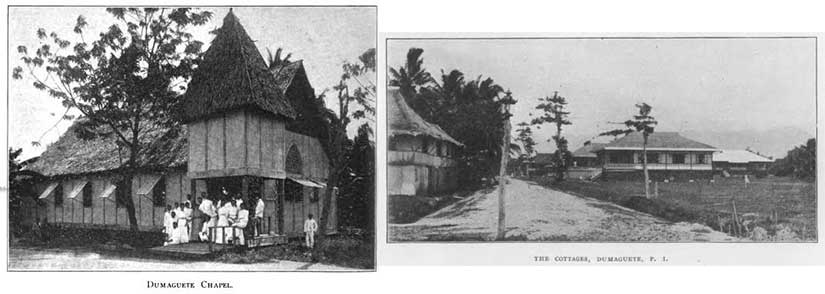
(191, 138)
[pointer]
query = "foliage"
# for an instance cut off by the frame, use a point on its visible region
(355, 95)
(525, 137)
(554, 113)
(125, 82)
(643, 123)
(800, 162)
(21, 189)
(356, 201)
(468, 110)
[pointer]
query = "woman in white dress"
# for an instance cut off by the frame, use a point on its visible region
(167, 224)
(223, 221)
(240, 225)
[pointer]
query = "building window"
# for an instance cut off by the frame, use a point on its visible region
(87, 195)
(123, 192)
(425, 145)
(293, 192)
(652, 157)
(315, 195)
(293, 161)
(58, 195)
(678, 158)
(622, 157)
(702, 158)
(159, 193)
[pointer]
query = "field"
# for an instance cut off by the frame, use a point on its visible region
(769, 209)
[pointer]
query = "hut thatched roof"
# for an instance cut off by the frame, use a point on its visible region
(405, 121)
(233, 75)
(285, 73)
(164, 148)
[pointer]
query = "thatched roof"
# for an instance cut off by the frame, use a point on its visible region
(233, 75)
(658, 140)
(285, 73)
(164, 148)
(405, 121)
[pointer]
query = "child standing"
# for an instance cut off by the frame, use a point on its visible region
(310, 227)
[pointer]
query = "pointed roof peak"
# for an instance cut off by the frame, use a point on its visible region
(233, 75)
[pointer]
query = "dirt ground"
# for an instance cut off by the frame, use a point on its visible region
(26, 259)
(536, 213)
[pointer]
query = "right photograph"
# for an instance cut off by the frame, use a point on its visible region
(679, 139)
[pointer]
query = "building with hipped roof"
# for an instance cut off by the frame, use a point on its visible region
(670, 156)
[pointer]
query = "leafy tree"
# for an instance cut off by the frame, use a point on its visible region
(525, 137)
(554, 113)
(357, 196)
(643, 123)
(126, 82)
(469, 110)
(355, 94)
(21, 188)
(800, 162)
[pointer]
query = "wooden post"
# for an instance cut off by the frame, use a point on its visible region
(655, 189)
(737, 230)
(502, 179)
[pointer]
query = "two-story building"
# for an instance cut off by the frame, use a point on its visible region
(670, 156)
(421, 155)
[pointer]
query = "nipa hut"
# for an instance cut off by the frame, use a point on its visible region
(421, 155)
(248, 129)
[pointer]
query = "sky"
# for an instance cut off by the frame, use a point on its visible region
(692, 84)
(324, 37)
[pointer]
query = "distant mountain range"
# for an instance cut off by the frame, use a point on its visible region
(774, 142)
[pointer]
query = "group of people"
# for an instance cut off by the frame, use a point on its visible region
(177, 223)
(224, 219)
(228, 220)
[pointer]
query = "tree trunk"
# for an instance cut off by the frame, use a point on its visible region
(644, 167)
(130, 176)
(332, 182)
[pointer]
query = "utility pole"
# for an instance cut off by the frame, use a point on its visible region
(505, 155)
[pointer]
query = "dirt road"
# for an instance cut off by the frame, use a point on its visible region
(24, 259)
(536, 213)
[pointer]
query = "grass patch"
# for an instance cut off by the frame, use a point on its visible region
(783, 210)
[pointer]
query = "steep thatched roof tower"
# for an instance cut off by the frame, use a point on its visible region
(233, 75)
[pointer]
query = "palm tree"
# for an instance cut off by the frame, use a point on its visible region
(275, 61)
(412, 76)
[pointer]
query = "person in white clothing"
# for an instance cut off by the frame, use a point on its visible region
(221, 235)
(259, 217)
(175, 231)
(187, 214)
(310, 227)
(240, 226)
(167, 224)
(207, 207)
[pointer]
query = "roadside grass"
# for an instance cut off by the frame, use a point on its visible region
(409, 209)
(768, 209)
